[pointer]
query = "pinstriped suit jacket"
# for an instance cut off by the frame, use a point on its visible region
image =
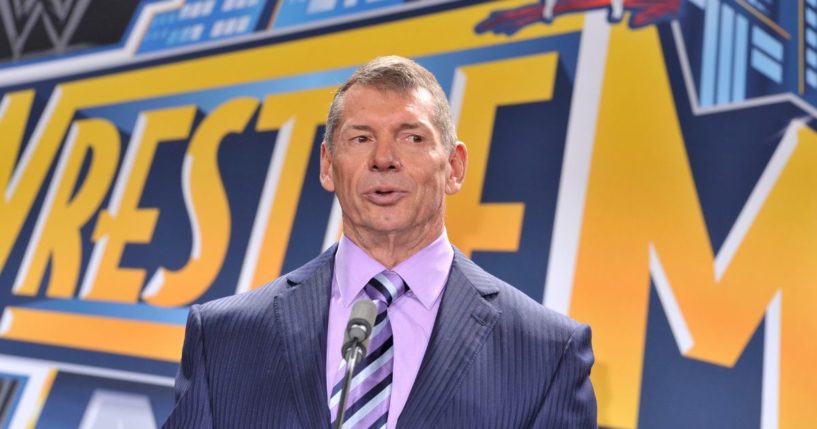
(496, 359)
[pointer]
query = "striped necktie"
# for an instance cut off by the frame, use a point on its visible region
(367, 404)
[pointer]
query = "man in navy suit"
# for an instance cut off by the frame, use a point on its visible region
(454, 347)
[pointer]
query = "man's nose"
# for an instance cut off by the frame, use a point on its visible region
(385, 156)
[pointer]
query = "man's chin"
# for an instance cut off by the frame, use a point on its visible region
(388, 227)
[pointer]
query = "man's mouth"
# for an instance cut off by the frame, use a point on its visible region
(384, 196)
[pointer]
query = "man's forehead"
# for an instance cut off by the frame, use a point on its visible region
(417, 103)
(387, 91)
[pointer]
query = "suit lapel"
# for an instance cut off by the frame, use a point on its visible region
(464, 322)
(302, 313)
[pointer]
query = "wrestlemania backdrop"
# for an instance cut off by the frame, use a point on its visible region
(648, 167)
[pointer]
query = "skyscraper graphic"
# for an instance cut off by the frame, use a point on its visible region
(756, 48)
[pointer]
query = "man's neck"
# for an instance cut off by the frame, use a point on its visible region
(392, 248)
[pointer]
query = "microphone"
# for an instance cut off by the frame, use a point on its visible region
(359, 328)
(355, 342)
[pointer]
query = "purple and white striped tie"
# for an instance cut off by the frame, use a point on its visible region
(367, 404)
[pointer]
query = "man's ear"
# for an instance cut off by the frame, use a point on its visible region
(457, 163)
(327, 181)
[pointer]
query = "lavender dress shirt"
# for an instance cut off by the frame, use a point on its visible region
(412, 316)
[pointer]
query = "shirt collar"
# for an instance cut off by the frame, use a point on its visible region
(425, 272)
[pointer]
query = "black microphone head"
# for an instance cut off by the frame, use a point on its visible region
(359, 328)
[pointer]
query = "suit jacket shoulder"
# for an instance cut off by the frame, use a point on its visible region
(500, 359)
(246, 304)
(248, 359)
(537, 321)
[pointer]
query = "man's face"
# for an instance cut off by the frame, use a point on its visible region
(389, 167)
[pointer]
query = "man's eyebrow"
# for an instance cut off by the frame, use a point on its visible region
(360, 127)
(410, 126)
(402, 127)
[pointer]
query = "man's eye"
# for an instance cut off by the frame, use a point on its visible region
(361, 139)
(415, 138)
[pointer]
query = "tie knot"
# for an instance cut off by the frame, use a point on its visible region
(386, 287)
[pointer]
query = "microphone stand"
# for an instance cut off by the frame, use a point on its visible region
(353, 354)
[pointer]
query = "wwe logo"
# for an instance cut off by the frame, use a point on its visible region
(59, 19)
